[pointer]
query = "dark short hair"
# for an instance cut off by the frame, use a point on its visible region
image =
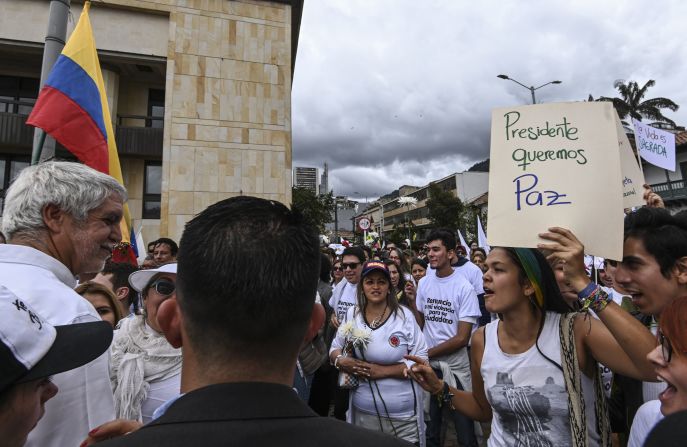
(120, 272)
(238, 299)
(421, 262)
(354, 251)
(445, 236)
(664, 236)
(173, 247)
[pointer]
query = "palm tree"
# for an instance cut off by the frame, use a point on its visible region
(630, 102)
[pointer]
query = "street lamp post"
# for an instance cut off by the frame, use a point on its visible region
(531, 89)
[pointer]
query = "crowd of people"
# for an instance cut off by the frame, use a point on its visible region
(248, 331)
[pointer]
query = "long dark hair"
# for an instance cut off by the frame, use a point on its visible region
(553, 300)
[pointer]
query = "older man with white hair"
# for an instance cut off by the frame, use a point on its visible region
(61, 220)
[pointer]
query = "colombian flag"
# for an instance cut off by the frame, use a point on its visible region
(72, 108)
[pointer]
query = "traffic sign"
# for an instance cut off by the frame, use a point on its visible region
(364, 223)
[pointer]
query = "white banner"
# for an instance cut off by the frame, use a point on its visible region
(633, 177)
(655, 145)
(481, 237)
(463, 243)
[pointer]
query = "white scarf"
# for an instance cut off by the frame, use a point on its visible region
(140, 356)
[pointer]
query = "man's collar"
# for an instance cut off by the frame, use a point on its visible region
(236, 401)
(22, 254)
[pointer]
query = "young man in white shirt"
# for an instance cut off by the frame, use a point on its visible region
(344, 294)
(447, 310)
(653, 272)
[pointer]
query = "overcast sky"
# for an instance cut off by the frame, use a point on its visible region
(394, 92)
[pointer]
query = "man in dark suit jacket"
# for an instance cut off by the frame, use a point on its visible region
(247, 276)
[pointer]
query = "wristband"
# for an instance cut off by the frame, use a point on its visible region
(584, 293)
(594, 298)
(336, 361)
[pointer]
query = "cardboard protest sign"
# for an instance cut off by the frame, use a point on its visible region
(547, 161)
(632, 176)
(655, 145)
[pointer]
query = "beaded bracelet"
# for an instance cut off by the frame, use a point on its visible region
(593, 297)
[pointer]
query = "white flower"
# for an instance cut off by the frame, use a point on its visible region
(410, 202)
(360, 337)
(346, 329)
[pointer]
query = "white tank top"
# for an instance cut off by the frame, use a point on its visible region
(527, 392)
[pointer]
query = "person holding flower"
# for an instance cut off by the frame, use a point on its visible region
(370, 346)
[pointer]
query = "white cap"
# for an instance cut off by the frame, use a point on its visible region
(31, 348)
(141, 278)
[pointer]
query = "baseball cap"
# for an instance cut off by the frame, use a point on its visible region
(31, 348)
(141, 278)
(372, 266)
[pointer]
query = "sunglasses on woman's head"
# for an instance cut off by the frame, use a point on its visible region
(163, 286)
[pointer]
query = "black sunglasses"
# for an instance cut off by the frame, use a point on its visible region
(164, 287)
(338, 269)
(350, 265)
(666, 348)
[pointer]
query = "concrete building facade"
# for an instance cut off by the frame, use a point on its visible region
(306, 178)
(199, 92)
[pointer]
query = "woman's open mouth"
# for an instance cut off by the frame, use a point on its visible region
(669, 392)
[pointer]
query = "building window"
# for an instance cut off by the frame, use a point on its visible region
(156, 108)
(10, 167)
(18, 95)
(152, 186)
(683, 170)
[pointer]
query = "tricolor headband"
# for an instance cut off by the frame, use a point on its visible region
(533, 271)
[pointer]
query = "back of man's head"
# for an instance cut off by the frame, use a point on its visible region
(664, 236)
(447, 238)
(247, 277)
(74, 188)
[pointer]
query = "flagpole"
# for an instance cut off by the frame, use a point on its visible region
(54, 43)
(39, 140)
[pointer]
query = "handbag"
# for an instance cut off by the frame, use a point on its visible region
(345, 380)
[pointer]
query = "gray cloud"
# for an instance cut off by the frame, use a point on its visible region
(396, 92)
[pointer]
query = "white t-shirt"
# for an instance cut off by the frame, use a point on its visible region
(527, 392)
(646, 418)
(473, 274)
(398, 336)
(444, 302)
(343, 300)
